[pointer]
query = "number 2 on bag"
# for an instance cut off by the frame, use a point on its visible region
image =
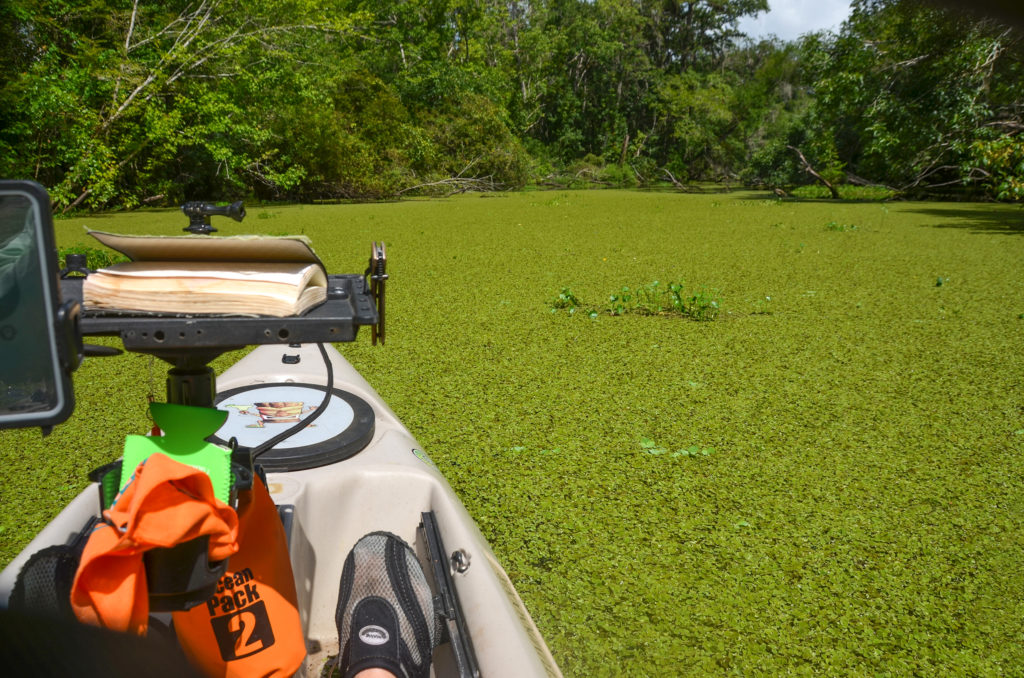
(243, 633)
(244, 623)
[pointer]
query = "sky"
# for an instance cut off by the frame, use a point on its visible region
(788, 19)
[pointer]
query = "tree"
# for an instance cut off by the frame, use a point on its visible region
(698, 113)
(110, 95)
(687, 34)
(905, 91)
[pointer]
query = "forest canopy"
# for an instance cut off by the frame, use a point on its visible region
(121, 103)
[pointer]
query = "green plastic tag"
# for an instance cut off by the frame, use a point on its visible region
(185, 429)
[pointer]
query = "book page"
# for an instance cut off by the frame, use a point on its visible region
(205, 288)
(283, 273)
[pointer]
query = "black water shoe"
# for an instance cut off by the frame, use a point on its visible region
(385, 614)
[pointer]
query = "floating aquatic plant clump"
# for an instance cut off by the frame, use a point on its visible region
(701, 304)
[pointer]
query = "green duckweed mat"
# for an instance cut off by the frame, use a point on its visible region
(827, 479)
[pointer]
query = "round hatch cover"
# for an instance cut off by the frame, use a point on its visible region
(258, 413)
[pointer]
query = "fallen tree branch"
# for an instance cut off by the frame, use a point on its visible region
(1006, 124)
(148, 201)
(810, 170)
(861, 181)
(77, 201)
(974, 175)
(466, 168)
(460, 184)
(675, 182)
(931, 170)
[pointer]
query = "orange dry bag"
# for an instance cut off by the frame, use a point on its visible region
(166, 503)
(250, 627)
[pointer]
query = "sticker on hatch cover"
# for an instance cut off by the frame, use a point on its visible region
(289, 412)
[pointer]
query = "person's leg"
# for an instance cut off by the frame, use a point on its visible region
(375, 673)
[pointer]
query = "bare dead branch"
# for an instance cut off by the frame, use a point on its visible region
(973, 175)
(1005, 124)
(810, 170)
(909, 62)
(932, 169)
(126, 103)
(672, 178)
(183, 57)
(860, 181)
(678, 184)
(458, 184)
(467, 167)
(77, 201)
(131, 26)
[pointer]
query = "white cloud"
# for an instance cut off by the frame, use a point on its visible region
(789, 19)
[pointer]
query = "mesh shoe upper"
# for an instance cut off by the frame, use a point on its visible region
(381, 565)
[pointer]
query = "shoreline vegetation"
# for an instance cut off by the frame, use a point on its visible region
(118, 105)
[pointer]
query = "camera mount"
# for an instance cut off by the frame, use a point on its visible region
(199, 214)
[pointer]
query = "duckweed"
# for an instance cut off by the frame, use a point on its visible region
(861, 512)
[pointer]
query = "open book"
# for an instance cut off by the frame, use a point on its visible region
(201, 274)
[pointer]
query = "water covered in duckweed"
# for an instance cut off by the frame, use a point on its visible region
(825, 479)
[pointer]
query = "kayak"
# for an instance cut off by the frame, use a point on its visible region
(355, 471)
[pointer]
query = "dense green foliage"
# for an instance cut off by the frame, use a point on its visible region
(916, 98)
(121, 103)
(825, 480)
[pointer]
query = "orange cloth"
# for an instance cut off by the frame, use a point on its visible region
(166, 503)
(250, 628)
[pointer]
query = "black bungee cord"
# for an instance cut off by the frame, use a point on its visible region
(284, 435)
